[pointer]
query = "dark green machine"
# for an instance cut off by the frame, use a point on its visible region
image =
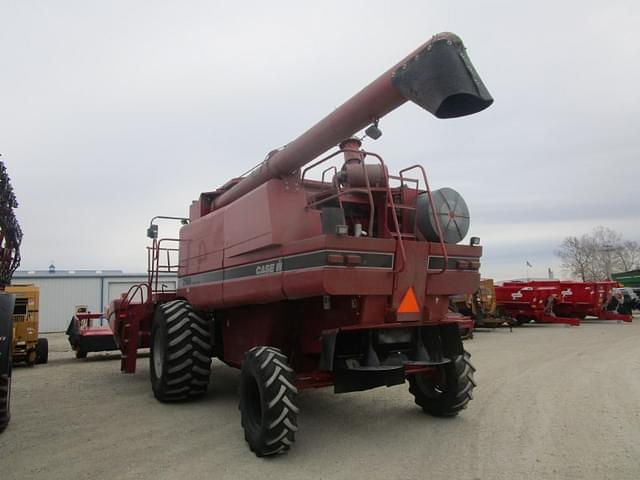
(629, 279)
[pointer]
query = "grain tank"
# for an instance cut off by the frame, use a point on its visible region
(314, 271)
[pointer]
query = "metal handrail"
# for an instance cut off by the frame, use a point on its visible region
(389, 195)
(154, 267)
(127, 299)
(433, 211)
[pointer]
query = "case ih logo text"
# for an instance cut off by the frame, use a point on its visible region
(516, 295)
(567, 292)
(266, 268)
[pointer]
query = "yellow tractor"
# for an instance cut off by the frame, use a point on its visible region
(481, 305)
(27, 347)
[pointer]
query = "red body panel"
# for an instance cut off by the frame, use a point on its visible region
(570, 300)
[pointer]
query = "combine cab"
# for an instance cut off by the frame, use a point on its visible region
(314, 272)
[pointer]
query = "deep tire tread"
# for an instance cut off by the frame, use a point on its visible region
(270, 370)
(457, 392)
(5, 413)
(188, 356)
(42, 351)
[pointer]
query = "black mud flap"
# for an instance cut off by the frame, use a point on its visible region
(441, 79)
(96, 343)
(73, 332)
(365, 378)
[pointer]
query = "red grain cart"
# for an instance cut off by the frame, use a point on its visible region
(532, 301)
(595, 299)
(319, 275)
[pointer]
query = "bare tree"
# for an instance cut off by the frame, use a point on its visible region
(575, 257)
(628, 257)
(597, 255)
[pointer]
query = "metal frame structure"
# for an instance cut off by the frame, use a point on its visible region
(305, 282)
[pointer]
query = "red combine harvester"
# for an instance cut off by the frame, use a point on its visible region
(340, 279)
(555, 301)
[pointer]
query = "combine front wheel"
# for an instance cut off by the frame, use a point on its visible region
(268, 401)
(180, 357)
(447, 396)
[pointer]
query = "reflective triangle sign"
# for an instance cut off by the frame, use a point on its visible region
(409, 303)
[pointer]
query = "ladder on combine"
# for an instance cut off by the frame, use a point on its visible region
(138, 305)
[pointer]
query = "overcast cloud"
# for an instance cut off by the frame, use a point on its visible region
(112, 112)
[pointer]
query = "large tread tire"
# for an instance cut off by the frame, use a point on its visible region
(5, 400)
(180, 360)
(452, 394)
(269, 414)
(7, 303)
(42, 351)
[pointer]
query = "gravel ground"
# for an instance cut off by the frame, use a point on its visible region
(552, 402)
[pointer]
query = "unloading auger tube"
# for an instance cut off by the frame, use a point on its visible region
(438, 76)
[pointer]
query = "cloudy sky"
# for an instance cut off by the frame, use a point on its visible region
(112, 112)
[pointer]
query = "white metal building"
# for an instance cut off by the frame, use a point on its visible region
(62, 290)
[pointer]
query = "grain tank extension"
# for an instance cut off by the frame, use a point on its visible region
(313, 272)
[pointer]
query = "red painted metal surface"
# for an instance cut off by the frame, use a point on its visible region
(555, 301)
(88, 327)
(258, 259)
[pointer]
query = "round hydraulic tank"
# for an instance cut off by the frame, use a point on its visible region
(452, 212)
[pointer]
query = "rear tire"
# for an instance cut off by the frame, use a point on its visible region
(269, 414)
(7, 303)
(42, 351)
(449, 396)
(180, 360)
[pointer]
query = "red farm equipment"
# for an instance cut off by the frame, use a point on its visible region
(304, 274)
(531, 301)
(591, 299)
(88, 332)
(555, 301)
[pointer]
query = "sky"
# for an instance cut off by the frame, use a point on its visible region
(113, 112)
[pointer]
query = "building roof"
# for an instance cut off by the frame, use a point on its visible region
(25, 274)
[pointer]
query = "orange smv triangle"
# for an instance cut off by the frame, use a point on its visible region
(409, 304)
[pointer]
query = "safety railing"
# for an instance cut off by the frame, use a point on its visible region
(368, 190)
(436, 220)
(156, 255)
